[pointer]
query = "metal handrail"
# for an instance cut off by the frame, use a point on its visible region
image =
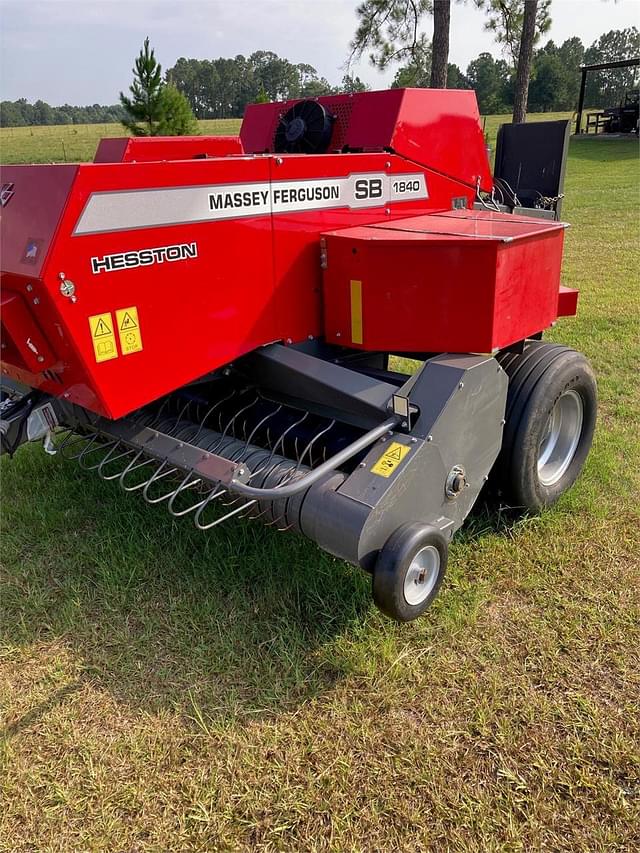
(317, 473)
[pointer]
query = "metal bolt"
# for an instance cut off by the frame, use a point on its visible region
(66, 395)
(241, 471)
(429, 438)
(485, 478)
(36, 301)
(338, 334)
(387, 211)
(404, 424)
(363, 465)
(387, 165)
(502, 422)
(461, 385)
(414, 440)
(278, 161)
(289, 341)
(309, 337)
(29, 288)
(40, 358)
(67, 288)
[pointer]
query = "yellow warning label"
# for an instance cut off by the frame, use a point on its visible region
(390, 459)
(103, 337)
(129, 330)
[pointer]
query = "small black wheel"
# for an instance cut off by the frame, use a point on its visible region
(409, 571)
(550, 420)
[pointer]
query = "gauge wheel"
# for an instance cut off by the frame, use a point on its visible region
(409, 571)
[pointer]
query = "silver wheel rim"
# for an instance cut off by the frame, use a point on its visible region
(422, 575)
(560, 438)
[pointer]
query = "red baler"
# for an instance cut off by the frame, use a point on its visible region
(209, 321)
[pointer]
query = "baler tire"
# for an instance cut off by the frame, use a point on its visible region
(414, 554)
(542, 376)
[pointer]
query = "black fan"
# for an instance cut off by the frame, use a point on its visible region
(304, 129)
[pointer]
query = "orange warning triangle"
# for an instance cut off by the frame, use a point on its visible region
(101, 329)
(128, 322)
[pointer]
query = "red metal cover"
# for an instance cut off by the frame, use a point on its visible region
(437, 128)
(145, 149)
(460, 281)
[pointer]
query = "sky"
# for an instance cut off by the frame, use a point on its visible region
(81, 51)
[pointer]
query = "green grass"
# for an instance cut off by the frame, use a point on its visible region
(169, 690)
(77, 143)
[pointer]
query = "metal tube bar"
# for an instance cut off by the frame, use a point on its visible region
(583, 83)
(317, 473)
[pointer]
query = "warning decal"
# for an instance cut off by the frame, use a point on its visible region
(103, 337)
(129, 330)
(390, 459)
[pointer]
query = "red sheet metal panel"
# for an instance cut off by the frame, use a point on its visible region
(21, 333)
(146, 149)
(567, 302)
(461, 281)
(32, 204)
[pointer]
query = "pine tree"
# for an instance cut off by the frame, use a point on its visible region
(177, 117)
(155, 108)
(145, 107)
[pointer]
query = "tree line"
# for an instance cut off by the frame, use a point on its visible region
(21, 113)
(221, 88)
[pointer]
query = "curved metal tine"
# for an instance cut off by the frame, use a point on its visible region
(213, 495)
(174, 428)
(133, 467)
(80, 439)
(108, 461)
(210, 411)
(218, 521)
(64, 435)
(236, 416)
(283, 477)
(260, 424)
(158, 415)
(89, 449)
(215, 444)
(154, 479)
(312, 442)
(279, 443)
(184, 485)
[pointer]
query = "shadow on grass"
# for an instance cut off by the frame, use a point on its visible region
(241, 621)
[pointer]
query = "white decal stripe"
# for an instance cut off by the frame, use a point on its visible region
(135, 209)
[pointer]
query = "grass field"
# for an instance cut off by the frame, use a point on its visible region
(165, 690)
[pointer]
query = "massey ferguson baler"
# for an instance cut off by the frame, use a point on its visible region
(209, 323)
